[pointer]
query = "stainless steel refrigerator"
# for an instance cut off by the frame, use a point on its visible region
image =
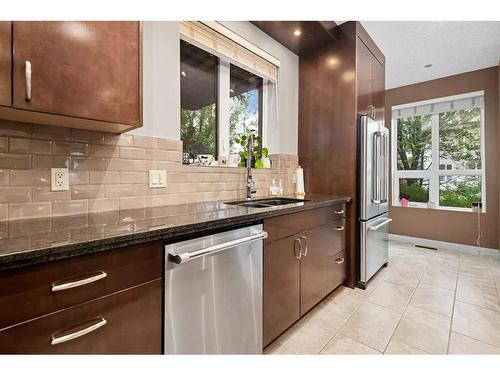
(373, 196)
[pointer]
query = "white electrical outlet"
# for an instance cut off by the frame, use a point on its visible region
(59, 179)
(157, 178)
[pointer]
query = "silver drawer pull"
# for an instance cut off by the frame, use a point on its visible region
(339, 260)
(340, 212)
(339, 228)
(299, 255)
(73, 284)
(304, 253)
(27, 73)
(82, 332)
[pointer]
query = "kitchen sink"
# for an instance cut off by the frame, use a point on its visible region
(266, 203)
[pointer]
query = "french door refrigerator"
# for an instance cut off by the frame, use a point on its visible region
(373, 196)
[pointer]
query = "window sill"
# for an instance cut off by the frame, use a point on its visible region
(424, 206)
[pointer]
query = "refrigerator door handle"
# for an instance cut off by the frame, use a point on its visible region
(377, 140)
(378, 226)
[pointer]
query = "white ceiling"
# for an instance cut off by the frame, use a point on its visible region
(452, 47)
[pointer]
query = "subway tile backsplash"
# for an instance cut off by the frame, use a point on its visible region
(109, 172)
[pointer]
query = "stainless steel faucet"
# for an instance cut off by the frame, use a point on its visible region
(250, 184)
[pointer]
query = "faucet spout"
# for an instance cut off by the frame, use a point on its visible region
(250, 184)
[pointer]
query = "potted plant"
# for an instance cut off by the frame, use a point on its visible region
(259, 153)
(404, 199)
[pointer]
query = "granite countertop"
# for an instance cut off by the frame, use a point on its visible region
(31, 241)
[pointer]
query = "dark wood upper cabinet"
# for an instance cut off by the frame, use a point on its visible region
(83, 75)
(337, 83)
(364, 80)
(5, 62)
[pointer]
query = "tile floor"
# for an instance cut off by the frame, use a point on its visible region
(424, 302)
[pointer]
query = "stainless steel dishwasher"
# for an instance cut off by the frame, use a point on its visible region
(213, 293)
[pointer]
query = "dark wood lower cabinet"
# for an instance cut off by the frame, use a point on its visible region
(281, 287)
(299, 271)
(129, 322)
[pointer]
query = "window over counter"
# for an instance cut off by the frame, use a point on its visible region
(438, 153)
(226, 90)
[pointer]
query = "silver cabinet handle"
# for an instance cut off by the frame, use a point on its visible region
(59, 340)
(339, 260)
(340, 212)
(378, 226)
(186, 257)
(73, 284)
(27, 73)
(339, 228)
(304, 253)
(299, 255)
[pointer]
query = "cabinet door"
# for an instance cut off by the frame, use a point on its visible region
(363, 77)
(318, 267)
(281, 306)
(5, 63)
(128, 322)
(82, 69)
(378, 88)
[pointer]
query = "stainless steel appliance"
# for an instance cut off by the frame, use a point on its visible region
(373, 218)
(213, 293)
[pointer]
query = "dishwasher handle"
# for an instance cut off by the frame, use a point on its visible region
(186, 257)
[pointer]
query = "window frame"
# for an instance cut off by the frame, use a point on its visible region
(434, 173)
(222, 136)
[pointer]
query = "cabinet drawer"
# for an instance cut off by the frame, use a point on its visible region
(127, 322)
(283, 226)
(338, 270)
(42, 289)
(335, 213)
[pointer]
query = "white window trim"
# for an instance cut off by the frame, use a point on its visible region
(434, 173)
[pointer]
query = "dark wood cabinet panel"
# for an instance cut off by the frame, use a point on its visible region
(27, 293)
(5, 62)
(133, 326)
(287, 225)
(87, 70)
(281, 305)
(337, 270)
(364, 77)
(378, 88)
(317, 266)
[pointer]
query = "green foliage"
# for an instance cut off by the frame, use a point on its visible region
(414, 190)
(199, 130)
(414, 142)
(460, 137)
(258, 153)
(460, 192)
(459, 144)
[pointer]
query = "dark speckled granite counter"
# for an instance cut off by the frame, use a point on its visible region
(25, 242)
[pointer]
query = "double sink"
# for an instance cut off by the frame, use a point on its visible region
(266, 203)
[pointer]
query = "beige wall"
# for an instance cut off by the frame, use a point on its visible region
(110, 172)
(453, 226)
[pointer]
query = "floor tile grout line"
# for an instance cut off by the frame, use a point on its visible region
(453, 310)
(476, 339)
(402, 314)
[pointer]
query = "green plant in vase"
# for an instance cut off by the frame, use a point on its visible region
(258, 154)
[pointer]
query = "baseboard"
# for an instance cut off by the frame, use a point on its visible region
(446, 245)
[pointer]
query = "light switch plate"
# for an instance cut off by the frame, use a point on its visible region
(157, 178)
(59, 180)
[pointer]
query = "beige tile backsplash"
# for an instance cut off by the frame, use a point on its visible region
(110, 172)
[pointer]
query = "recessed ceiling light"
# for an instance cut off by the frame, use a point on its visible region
(427, 66)
(297, 32)
(183, 73)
